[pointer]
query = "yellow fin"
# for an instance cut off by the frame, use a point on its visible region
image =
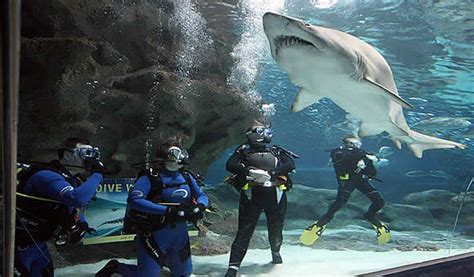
(383, 234)
(311, 234)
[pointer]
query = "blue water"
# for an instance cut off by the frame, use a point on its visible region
(430, 49)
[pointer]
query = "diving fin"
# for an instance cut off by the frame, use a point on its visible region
(383, 234)
(312, 234)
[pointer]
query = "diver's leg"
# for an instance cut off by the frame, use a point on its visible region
(35, 260)
(180, 262)
(344, 192)
(146, 264)
(178, 252)
(186, 266)
(383, 233)
(248, 218)
(377, 202)
(275, 220)
(23, 259)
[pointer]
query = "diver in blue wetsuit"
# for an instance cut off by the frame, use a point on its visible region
(159, 206)
(47, 198)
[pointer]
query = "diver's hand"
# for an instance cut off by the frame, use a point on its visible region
(198, 211)
(199, 208)
(360, 166)
(94, 166)
(191, 211)
(373, 158)
(259, 175)
(174, 211)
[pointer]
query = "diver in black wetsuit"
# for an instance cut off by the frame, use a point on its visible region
(261, 175)
(354, 169)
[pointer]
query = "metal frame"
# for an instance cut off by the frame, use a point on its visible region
(11, 72)
(456, 265)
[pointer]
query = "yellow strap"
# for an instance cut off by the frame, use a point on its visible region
(100, 240)
(169, 203)
(119, 238)
(344, 177)
(245, 187)
(37, 198)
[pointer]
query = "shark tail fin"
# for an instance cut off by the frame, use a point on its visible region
(422, 142)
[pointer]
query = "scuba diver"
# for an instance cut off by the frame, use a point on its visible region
(354, 169)
(160, 204)
(48, 195)
(261, 175)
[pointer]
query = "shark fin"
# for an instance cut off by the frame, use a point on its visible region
(365, 130)
(422, 142)
(391, 95)
(304, 99)
(397, 143)
(418, 142)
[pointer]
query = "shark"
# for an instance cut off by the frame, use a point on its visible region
(329, 63)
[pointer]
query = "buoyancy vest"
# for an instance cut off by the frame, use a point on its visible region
(136, 222)
(262, 158)
(40, 218)
(345, 162)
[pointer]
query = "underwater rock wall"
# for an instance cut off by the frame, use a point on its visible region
(113, 71)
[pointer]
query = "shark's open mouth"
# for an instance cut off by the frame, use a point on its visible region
(288, 41)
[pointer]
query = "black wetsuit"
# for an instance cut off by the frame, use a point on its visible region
(256, 199)
(345, 164)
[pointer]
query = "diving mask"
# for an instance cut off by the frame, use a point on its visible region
(352, 143)
(87, 152)
(264, 131)
(260, 134)
(177, 154)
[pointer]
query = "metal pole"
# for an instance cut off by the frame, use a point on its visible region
(11, 61)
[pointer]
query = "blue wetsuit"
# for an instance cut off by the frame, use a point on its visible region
(170, 239)
(35, 260)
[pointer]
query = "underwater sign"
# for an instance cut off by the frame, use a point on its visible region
(105, 214)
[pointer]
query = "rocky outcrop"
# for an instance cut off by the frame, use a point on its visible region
(119, 74)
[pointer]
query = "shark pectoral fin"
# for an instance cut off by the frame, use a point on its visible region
(417, 149)
(390, 94)
(304, 99)
(364, 130)
(397, 143)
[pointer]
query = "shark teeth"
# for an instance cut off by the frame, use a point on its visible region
(288, 41)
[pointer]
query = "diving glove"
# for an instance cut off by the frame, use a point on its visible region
(174, 211)
(95, 166)
(360, 166)
(198, 211)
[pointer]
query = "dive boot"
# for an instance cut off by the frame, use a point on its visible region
(383, 234)
(109, 269)
(312, 233)
(276, 258)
